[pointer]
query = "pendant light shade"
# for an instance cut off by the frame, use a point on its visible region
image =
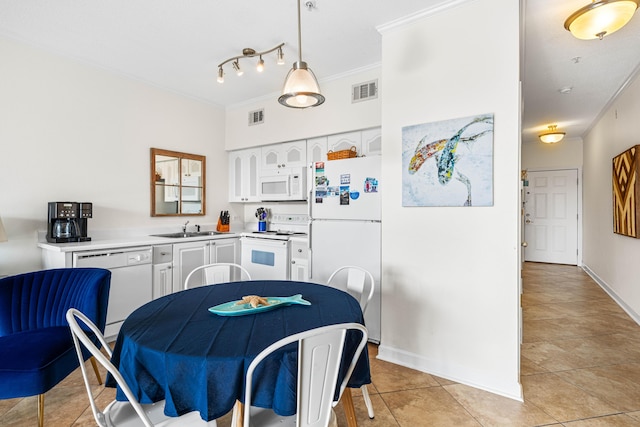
(301, 89)
(552, 136)
(600, 18)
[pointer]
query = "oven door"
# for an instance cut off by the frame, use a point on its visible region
(265, 259)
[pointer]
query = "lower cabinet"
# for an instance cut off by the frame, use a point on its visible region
(162, 270)
(299, 256)
(190, 255)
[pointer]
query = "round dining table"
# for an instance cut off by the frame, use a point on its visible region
(174, 349)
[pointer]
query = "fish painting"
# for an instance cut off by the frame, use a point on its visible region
(448, 161)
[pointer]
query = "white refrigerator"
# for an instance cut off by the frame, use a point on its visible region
(345, 226)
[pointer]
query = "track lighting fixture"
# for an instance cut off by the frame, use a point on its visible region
(236, 66)
(250, 53)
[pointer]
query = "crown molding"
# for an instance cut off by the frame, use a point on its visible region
(401, 22)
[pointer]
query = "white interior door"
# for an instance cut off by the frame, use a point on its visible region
(551, 216)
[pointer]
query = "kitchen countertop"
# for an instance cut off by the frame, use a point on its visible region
(123, 242)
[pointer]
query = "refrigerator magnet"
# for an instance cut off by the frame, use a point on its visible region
(370, 185)
(344, 194)
(354, 195)
(345, 179)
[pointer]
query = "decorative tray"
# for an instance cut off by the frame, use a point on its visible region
(238, 308)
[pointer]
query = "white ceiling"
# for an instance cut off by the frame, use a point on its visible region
(178, 45)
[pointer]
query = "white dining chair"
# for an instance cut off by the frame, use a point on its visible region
(360, 284)
(220, 272)
(319, 356)
(121, 414)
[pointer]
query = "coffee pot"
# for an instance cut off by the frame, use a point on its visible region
(65, 228)
(67, 222)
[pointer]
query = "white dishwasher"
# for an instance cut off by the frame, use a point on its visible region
(131, 280)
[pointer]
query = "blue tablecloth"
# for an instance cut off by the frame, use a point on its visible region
(173, 348)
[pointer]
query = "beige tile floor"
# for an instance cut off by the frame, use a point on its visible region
(580, 368)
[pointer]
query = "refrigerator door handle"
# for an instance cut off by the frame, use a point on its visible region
(309, 254)
(311, 182)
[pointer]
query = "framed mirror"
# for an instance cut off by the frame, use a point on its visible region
(177, 183)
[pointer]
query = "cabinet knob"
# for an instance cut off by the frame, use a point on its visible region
(293, 261)
(299, 251)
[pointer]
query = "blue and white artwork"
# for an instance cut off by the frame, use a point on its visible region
(448, 163)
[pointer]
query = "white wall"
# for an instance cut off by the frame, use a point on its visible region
(611, 258)
(565, 154)
(336, 115)
(73, 132)
(450, 275)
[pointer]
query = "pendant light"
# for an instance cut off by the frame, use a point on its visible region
(301, 89)
(552, 136)
(600, 18)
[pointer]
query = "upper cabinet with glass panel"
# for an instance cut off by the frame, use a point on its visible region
(177, 183)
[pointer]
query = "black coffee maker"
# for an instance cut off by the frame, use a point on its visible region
(67, 222)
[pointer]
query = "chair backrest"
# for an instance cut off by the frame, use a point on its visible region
(212, 274)
(359, 283)
(80, 336)
(319, 356)
(40, 299)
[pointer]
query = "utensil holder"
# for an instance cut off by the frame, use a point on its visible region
(262, 225)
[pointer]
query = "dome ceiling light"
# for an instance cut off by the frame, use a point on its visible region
(600, 18)
(552, 136)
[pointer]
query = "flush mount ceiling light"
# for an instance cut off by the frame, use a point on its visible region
(301, 89)
(250, 53)
(552, 136)
(600, 18)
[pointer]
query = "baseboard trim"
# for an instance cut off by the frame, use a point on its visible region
(612, 294)
(422, 364)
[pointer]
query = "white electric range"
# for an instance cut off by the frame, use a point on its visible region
(267, 254)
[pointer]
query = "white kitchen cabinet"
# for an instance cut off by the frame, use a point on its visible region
(186, 257)
(299, 255)
(162, 270)
(316, 150)
(244, 173)
(372, 142)
(344, 141)
(162, 280)
(285, 155)
(224, 250)
(189, 255)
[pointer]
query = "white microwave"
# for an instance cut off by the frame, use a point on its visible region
(284, 184)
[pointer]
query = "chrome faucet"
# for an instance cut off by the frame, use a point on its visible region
(184, 227)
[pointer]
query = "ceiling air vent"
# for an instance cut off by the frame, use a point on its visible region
(256, 117)
(364, 91)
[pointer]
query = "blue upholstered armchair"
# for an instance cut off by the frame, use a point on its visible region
(36, 347)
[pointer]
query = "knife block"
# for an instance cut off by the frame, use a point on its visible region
(222, 227)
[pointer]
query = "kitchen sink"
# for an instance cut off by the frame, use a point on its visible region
(188, 234)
